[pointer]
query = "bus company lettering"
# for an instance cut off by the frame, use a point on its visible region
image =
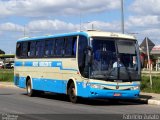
(35, 64)
(45, 64)
(42, 64)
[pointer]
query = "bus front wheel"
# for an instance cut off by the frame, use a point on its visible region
(30, 91)
(72, 93)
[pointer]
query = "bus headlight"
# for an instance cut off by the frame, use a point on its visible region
(97, 86)
(135, 88)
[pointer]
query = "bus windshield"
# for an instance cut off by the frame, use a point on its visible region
(115, 59)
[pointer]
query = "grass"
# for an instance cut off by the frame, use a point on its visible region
(145, 84)
(6, 75)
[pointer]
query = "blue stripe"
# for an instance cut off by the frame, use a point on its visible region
(42, 64)
(28, 63)
(55, 36)
(50, 85)
(18, 63)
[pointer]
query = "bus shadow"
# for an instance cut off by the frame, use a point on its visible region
(109, 102)
(51, 96)
(92, 102)
(6, 94)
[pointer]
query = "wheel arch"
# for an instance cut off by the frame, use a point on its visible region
(71, 80)
(29, 78)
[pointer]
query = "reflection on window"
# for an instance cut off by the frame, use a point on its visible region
(82, 45)
(39, 48)
(104, 53)
(32, 48)
(59, 47)
(70, 46)
(18, 49)
(24, 49)
(125, 46)
(112, 60)
(49, 47)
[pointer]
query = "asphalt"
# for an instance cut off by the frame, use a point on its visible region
(145, 98)
(14, 103)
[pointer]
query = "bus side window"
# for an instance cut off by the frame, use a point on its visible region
(24, 49)
(49, 47)
(32, 48)
(39, 49)
(70, 46)
(59, 47)
(18, 49)
(81, 55)
(74, 46)
(28, 50)
(52, 47)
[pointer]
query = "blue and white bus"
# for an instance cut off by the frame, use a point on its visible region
(91, 64)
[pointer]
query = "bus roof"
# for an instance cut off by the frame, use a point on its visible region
(53, 36)
(89, 33)
(95, 33)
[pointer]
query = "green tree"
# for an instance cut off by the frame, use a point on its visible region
(2, 52)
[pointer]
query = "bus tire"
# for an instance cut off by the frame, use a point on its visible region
(30, 91)
(71, 93)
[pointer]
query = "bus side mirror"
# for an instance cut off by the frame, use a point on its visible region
(89, 56)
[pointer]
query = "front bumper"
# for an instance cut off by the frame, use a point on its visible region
(116, 94)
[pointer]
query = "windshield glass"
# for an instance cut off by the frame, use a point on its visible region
(115, 59)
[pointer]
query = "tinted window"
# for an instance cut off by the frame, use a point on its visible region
(32, 48)
(127, 47)
(49, 47)
(104, 54)
(28, 49)
(24, 49)
(39, 49)
(18, 49)
(70, 46)
(59, 49)
(83, 43)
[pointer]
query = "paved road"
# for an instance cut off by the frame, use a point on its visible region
(15, 101)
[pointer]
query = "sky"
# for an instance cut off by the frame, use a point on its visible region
(19, 18)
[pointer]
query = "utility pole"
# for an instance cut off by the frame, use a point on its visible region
(122, 17)
(149, 63)
(92, 26)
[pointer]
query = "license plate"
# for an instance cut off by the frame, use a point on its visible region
(117, 94)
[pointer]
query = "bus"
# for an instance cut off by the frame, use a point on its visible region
(86, 64)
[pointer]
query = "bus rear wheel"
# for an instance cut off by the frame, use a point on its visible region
(30, 91)
(72, 93)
